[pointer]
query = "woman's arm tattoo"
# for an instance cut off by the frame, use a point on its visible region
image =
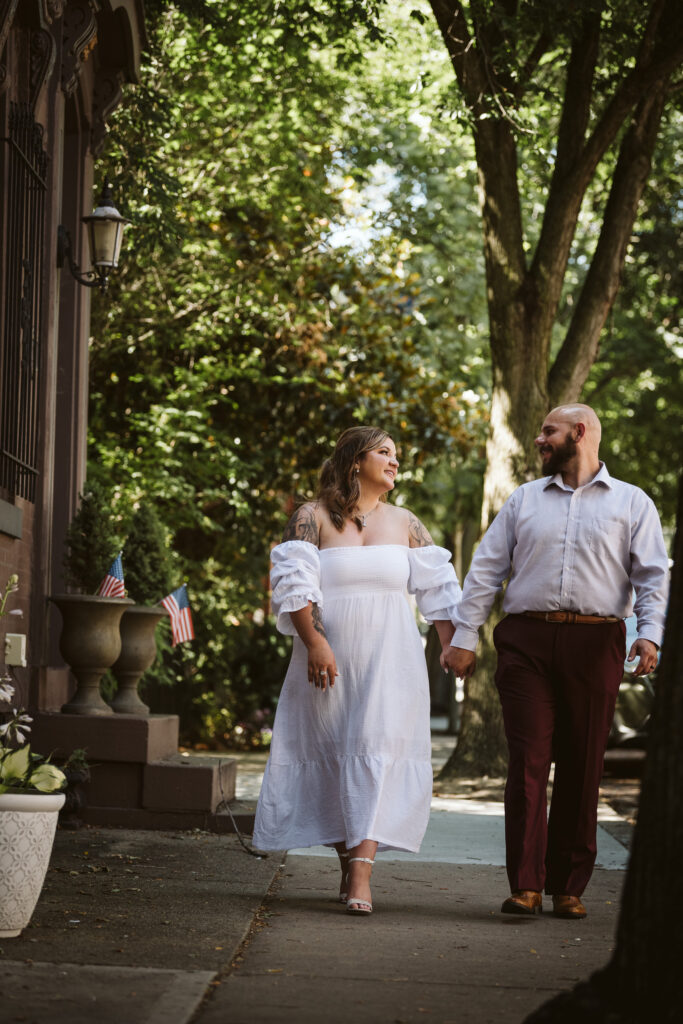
(318, 621)
(419, 536)
(302, 526)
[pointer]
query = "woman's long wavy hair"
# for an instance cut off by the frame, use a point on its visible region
(339, 490)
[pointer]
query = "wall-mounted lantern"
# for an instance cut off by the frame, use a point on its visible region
(105, 234)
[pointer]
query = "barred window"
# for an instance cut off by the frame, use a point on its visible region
(23, 166)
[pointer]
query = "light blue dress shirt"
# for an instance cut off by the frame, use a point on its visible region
(583, 550)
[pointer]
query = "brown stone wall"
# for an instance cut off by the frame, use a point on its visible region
(66, 62)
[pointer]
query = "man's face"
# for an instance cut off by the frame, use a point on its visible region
(556, 445)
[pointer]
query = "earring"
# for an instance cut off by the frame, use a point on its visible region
(357, 470)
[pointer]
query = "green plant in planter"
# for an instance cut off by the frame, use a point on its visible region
(145, 558)
(22, 770)
(92, 540)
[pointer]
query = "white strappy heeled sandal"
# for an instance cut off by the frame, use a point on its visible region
(354, 905)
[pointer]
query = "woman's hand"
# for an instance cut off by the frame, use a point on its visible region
(322, 667)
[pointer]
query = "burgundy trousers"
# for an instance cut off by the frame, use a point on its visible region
(558, 684)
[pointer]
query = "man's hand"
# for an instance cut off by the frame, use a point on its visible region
(462, 662)
(648, 656)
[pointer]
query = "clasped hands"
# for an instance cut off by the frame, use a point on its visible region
(460, 661)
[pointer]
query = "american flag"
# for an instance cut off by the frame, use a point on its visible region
(112, 584)
(178, 607)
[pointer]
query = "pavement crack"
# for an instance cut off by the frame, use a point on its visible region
(259, 921)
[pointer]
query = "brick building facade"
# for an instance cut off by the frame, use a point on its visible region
(63, 67)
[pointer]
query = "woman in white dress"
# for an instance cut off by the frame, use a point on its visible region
(350, 759)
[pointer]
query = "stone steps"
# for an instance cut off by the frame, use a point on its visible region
(137, 777)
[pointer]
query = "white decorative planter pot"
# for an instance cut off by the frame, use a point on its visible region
(27, 830)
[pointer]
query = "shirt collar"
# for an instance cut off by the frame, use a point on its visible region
(601, 477)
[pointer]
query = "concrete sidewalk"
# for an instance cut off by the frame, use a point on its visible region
(435, 948)
(151, 927)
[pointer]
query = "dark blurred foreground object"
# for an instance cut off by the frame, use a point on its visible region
(642, 981)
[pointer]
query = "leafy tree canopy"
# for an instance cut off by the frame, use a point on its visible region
(240, 338)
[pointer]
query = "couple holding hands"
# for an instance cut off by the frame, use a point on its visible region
(350, 761)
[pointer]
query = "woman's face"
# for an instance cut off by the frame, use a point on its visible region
(379, 466)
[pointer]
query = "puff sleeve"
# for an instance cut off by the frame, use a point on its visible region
(433, 581)
(294, 581)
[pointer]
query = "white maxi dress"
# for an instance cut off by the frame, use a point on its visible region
(354, 762)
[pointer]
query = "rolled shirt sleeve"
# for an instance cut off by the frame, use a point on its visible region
(490, 567)
(649, 570)
(433, 582)
(294, 581)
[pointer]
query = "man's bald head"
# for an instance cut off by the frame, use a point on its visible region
(577, 414)
(568, 443)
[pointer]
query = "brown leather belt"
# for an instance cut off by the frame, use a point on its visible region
(570, 617)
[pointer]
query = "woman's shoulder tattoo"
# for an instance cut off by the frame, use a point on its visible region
(303, 526)
(419, 535)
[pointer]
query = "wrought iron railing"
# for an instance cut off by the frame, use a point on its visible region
(23, 167)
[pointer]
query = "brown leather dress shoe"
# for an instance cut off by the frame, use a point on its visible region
(568, 906)
(523, 901)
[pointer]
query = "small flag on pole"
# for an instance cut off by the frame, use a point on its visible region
(178, 607)
(112, 584)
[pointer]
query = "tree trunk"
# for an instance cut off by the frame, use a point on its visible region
(642, 981)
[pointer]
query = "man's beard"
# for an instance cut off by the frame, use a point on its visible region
(559, 458)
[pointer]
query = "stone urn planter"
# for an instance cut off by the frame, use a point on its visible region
(138, 651)
(90, 643)
(27, 831)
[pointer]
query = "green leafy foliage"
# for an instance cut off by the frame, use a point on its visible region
(240, 338)
(20, 770)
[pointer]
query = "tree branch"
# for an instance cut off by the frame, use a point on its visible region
(659, 56)
(495, 147)
(549, 264)
(465, 57)
(578, 95)
(580, 346)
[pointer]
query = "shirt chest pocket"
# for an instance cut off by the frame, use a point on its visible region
(608, 535)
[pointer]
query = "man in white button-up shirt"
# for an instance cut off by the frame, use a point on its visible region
(573, 547)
